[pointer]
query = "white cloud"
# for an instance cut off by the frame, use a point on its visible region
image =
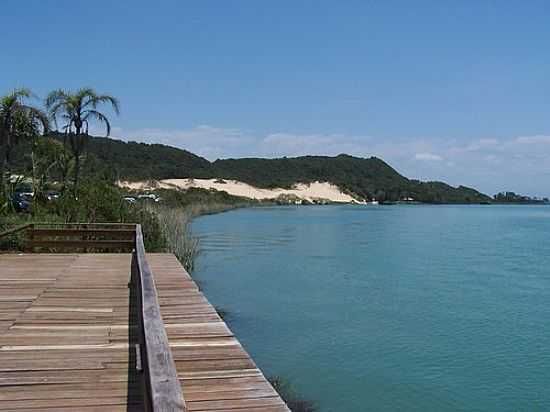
(532, 140)
(430, 157)
(520, 163)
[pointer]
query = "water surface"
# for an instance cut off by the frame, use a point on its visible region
(388, 308)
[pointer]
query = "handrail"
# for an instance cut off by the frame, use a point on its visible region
(163, 389)
(78, 236)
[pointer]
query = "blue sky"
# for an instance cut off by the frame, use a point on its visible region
(454, 91)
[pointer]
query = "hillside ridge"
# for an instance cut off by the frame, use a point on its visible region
(367, 178)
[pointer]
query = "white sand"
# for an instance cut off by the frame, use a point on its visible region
(312, 192)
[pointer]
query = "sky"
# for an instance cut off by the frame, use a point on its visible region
(441, 90)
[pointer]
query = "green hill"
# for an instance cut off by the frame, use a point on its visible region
(141, 161)
(365, 177)
(368, 178)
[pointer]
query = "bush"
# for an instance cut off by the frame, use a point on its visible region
(98, 201)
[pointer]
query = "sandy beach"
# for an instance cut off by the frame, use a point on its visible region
(311, 192)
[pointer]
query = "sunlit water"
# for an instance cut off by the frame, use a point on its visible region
(385, 308)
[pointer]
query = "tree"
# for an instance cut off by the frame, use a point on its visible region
(77, 110)
(17, 121)
(46, 158)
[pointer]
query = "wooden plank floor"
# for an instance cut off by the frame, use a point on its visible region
(215, 371)
(64, 338)
(64, 333)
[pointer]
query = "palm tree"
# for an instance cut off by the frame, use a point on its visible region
(77, 110)
(17, 121)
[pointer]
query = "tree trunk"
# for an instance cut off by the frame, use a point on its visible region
(7, 165)
(35, 184)
(75, 145)
(3, 191)
(3, 154)
(76, 171)
(64, 165)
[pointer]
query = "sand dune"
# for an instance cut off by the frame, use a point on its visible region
(312, 192)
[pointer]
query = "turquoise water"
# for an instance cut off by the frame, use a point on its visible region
(385, 308)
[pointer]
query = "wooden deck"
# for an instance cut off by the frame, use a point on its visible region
(66, 333)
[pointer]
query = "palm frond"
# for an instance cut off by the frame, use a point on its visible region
(22, 93)
(38, 116)
(55, 98)
(113, 101)
(99, 117)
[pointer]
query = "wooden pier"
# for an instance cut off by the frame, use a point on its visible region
(116, 332)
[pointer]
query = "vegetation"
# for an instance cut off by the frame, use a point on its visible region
(18, 121)
(511, 197)
(174, 225)
(77, 110)
(366, 178)
(99, 201)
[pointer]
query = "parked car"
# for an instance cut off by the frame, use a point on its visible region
(22, 201)
(149, 197)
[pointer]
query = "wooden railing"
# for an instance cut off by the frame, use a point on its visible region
(163, 389)
(73, 237)
(153, 357)
(113, 237)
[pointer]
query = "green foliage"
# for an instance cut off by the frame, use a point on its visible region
(174, 226)
(78, 110)
(197, 196)
(18, 122)
(100, 201)
(366, 178)
(46, 156)
(511, 197)
(8, 221)
(140, 161)
(96, 201)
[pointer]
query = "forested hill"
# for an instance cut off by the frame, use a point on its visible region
(367, 178)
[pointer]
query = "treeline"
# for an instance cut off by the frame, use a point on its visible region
(368, 178)
(511, 197)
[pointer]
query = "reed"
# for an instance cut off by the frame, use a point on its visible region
(174, 226)
(174, 222)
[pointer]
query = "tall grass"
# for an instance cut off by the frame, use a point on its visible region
(175, 223)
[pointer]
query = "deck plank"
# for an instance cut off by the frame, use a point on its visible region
(64, 330)
(64, 333)
(215, 371)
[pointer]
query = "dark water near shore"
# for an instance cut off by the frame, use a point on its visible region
(415, 308)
